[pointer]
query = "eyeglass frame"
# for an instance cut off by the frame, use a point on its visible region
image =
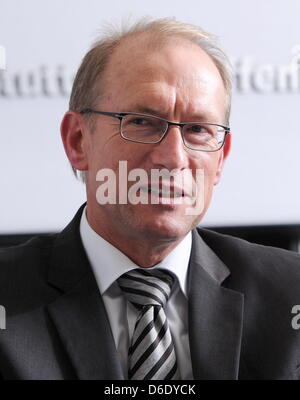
(121, 115)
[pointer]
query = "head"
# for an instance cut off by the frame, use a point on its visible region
(164, 68)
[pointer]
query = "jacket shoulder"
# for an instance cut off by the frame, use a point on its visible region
(253, 259)
(23, 273)
(227, 243)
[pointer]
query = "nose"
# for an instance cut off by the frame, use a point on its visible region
(171, 152)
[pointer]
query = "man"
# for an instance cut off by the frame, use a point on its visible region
(133, 290)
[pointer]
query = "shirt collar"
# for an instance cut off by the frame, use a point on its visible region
(109, 263)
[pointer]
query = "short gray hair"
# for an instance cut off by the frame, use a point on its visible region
(86, 93)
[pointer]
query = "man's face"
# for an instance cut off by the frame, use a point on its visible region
(180, 83)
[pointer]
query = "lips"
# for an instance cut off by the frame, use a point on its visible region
(163, 190)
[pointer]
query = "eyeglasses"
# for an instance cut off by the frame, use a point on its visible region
(144, 128)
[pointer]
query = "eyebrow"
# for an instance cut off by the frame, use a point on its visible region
(155, 112)
(148, 110)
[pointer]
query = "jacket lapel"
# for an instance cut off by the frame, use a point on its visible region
(79, 314)
(215, 316)
(81, 322)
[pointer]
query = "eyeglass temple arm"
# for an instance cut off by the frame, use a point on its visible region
(110, 114)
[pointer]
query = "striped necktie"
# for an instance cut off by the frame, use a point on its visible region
(151, 354)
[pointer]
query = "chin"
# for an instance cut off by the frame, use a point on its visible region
(165, 228)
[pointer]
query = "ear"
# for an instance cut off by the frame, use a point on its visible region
(72, 134)
(223, 155)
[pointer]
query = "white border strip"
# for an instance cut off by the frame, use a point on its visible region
(2, 58)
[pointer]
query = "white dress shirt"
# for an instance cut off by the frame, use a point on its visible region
(108, 264)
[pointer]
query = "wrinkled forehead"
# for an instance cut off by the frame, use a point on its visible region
(176, 60)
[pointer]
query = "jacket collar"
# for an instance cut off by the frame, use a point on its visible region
(215, 316)
(79, 314)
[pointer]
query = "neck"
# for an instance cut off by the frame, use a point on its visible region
(144, 251)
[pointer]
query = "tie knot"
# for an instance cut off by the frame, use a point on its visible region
(144, 288)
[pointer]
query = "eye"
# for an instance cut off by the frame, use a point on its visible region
(139, 121)
(198, 129)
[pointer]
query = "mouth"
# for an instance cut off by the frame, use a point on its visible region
(163, 191)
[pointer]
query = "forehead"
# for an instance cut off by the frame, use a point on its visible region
(177, 68)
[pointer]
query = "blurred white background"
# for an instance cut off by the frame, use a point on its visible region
(45, 41)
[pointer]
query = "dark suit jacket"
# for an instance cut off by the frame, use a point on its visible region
(240, 301)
